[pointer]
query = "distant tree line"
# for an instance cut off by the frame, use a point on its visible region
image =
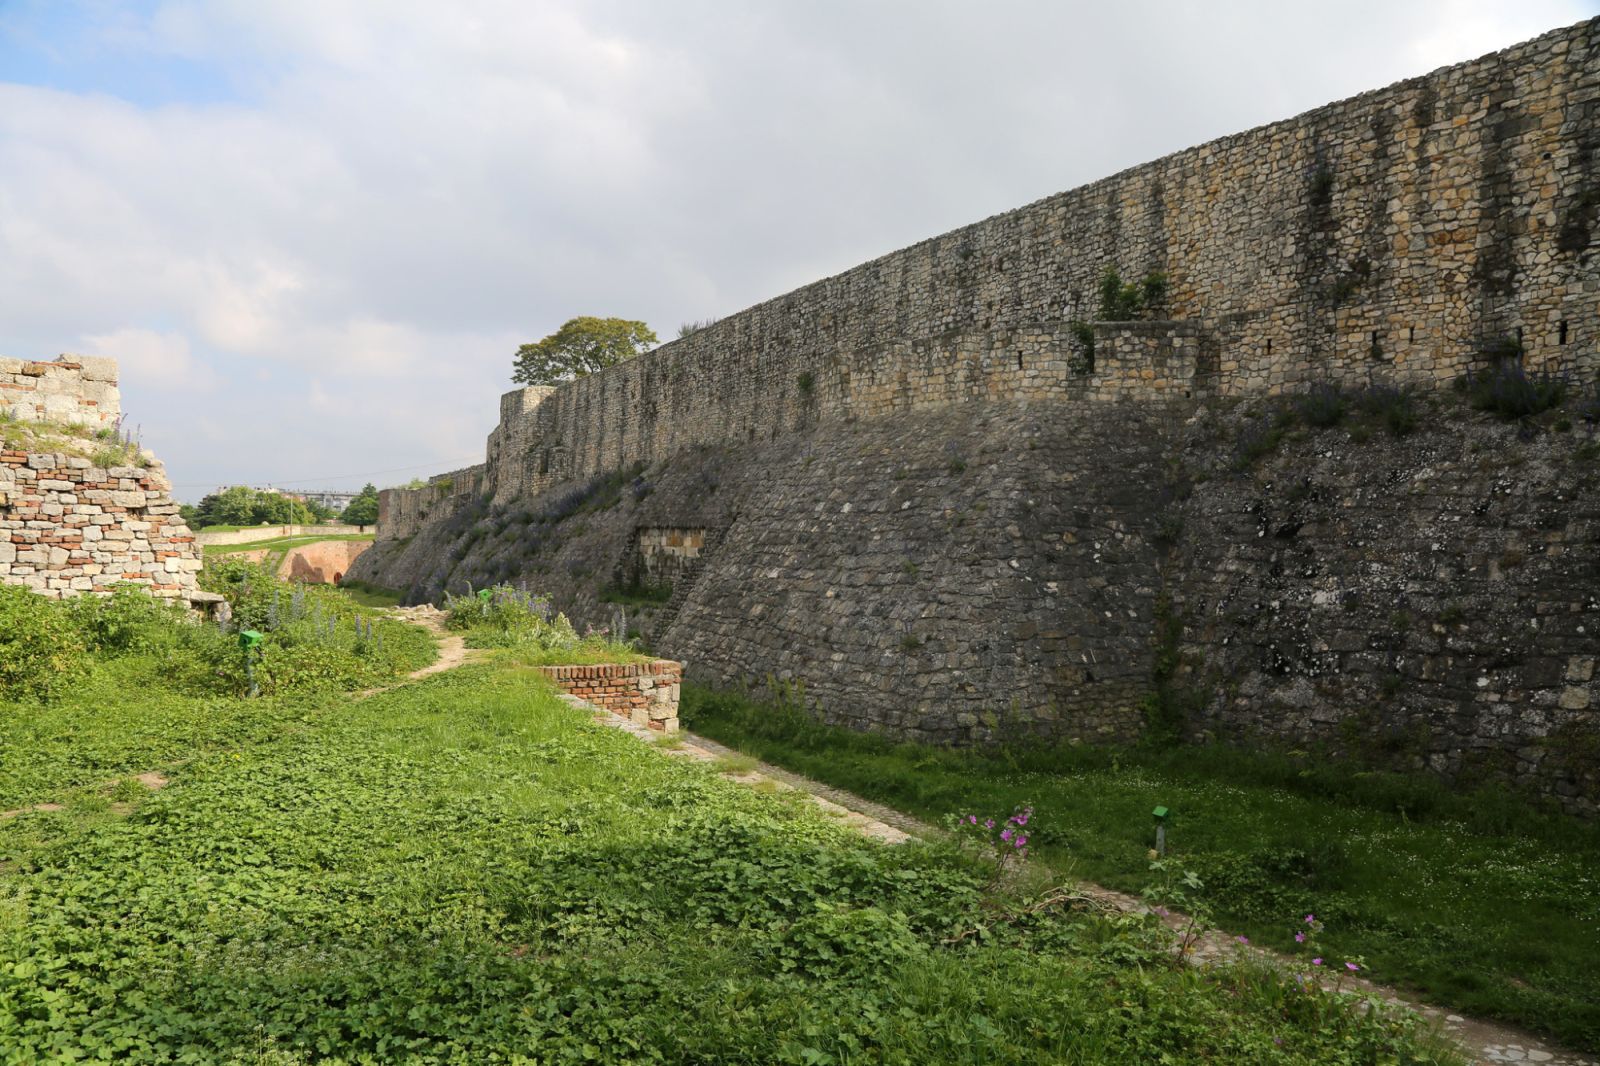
(240, 505)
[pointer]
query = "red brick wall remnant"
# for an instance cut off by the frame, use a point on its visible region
(644, 693)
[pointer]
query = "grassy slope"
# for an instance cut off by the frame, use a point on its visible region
(278, 545)
(468, 870)
(366, 594)
(1477, 901)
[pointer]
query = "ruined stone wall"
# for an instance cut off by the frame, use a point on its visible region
(1393, 233)
(73, 389)
(84, 515)
(68, 526)
(644, 693)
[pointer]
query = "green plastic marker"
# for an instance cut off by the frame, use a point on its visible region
(250, 645)
(1161, 830)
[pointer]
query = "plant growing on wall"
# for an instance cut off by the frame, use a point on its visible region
(1120, 301)
(1124, 301)
(580, 347)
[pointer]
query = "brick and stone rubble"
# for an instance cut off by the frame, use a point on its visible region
(644, 693)
(70, 526)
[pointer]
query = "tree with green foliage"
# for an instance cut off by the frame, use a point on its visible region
(363, 510)
(240, 505)
(581, 347)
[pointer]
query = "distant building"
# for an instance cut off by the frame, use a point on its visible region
(333, 501)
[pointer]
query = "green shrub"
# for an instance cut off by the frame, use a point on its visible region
(314, 636)
(1394, 406)
(1511, 393)
(129, 619)
(1323, 405)
(40, 649)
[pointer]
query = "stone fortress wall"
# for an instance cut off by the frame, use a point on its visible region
(70, 524)
(910, 498)
(1390, 234)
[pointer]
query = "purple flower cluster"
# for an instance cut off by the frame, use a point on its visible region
(1006, 842)
(1306, 936)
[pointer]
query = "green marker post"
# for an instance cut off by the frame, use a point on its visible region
(250, 646)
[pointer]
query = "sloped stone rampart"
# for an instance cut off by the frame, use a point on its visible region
(1426, 602)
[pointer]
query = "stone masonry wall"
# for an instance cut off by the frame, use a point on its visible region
(926, 510)
(74, 389)
(1431, 601)
(68, 525)
(1395, 232)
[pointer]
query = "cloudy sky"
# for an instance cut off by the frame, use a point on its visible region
(314, 232)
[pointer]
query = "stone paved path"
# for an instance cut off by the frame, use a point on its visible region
(1487, 1042)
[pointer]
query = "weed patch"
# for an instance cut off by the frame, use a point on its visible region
(468, 870)
(1480, 901)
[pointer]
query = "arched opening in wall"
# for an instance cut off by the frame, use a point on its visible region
(337, 577)
(1561, 332)
(1269, 345)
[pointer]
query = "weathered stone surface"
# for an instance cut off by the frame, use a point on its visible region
(906, 490)
(59, 541)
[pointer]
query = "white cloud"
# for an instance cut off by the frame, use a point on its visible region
(161, 359)
(398, 192)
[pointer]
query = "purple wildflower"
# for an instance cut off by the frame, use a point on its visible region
(1351, 966)
(1299, 938)
(1316, 962)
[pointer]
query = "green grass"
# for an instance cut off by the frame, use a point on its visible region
(1479, 901)
(366, 594)
(468, 870)
(591, 652)
(280, 542)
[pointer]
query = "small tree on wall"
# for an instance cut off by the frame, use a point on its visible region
(581, 347)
